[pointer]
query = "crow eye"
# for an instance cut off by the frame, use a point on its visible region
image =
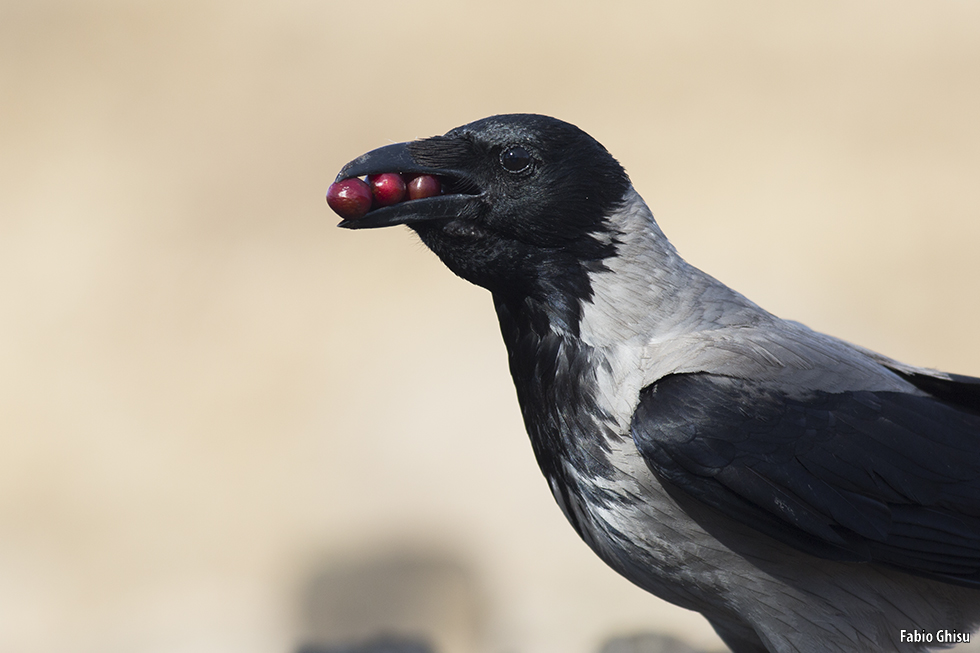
(515, 159)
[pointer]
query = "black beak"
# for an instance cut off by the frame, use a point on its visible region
(398, 158)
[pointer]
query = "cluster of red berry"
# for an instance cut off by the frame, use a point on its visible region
(353, 198)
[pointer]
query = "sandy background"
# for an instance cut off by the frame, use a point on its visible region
(228, 426)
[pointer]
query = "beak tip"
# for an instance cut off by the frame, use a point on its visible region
(342, 175)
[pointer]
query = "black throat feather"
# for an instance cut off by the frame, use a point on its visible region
(554, 373)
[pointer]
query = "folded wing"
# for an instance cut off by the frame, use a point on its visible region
(886, 477)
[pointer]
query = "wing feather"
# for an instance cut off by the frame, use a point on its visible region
(885, 476)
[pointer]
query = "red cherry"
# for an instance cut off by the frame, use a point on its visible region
(388, 188)
(349, 198)
(423, 186)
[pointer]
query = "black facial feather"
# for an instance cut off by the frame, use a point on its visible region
(443, 151)
(538, 231)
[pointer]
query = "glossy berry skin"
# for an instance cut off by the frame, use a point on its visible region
(423, 186)
(349, 198)
(388, 188)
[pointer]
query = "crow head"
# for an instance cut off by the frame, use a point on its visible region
(524, 206)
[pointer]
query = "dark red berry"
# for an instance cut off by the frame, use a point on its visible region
(423, 186)
(388, 188)
(349, 198)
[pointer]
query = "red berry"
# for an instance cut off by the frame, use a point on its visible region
(423, 186)
(349, 198)
(388, 188)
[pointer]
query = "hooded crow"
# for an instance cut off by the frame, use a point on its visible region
(802, 493)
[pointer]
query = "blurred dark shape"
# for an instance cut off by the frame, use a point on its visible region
(647, 643)
(383, 644)
(395, 601)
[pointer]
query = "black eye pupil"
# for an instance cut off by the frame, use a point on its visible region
(515, 159)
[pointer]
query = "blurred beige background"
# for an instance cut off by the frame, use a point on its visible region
(228, 426)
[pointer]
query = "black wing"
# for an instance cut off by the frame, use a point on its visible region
(963, 391)
(888, 477)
